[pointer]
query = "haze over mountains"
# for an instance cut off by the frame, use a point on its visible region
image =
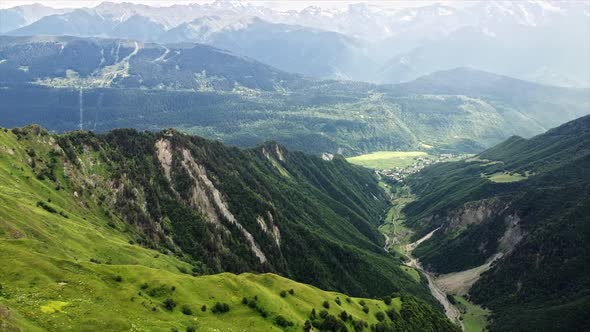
(359, 42)
(67, 83)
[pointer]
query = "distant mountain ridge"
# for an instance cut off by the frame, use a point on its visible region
(374, 22)
(91, 62)
(102, 84)
(360, 42)
(294, 48)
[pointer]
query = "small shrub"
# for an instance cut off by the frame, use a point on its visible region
(158, 291)
(348, 300)
(323, 313)
(244, 300)
(392, 314)
(380, 316)
(46, 207)
(326, 304)
(338, 302)
(220, 308)
(344, 316)
(387, 300)
(307, 326)
(451, 299)
(144, 286)
(263, 313)
(118, 279)
(291, 291)
(283, 293)
(95, 261)
(313, 314)
(282, 321)
(253, 304)
(362, 302)
(204, 308)
(169, 304)
(191, 329)
(366, 309)
(197, 269)
(316, 323)
(358, 325)
(187, 310)
(332, 323)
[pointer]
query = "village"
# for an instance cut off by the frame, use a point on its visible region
(400, 173)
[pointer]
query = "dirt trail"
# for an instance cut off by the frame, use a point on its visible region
(450, 310)
(410, 247)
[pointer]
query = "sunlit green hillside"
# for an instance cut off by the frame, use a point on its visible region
(72, 261)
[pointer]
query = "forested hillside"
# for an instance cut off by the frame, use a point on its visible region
(524, 204)
(220, 209)
(213, 93)
(129, 230)
(94, 63)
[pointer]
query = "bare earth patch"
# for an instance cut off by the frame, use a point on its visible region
(459, 283)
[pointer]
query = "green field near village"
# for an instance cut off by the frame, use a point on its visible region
(388, 159)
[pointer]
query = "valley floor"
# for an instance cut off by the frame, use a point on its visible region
(471, 317)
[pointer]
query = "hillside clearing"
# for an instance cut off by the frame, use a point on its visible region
(388, 159)
(503, 177)
(459, 282)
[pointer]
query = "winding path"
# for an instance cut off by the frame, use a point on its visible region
(450, 310)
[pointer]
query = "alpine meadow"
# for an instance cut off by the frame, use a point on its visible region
(242, 165)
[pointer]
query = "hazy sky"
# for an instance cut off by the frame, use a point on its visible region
(280, 4)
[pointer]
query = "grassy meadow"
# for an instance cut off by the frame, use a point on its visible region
(504, 177)
(387, 159)
(474, 316)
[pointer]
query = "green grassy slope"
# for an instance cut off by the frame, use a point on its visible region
(69, 262)
(221, 209)
(540, 224)
(474, 317)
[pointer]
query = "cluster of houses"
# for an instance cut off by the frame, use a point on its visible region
(400, 173)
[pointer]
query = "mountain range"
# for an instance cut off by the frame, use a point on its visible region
(67, 83)
(359, 42)
(184, 168)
